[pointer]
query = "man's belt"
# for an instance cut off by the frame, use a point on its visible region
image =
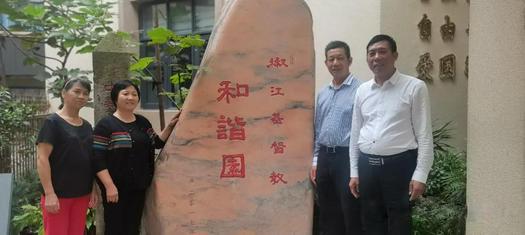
(379, 160)
(333, 149)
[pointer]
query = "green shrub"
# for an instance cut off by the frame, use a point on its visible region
(14, 116)
(442, 209)
(435, 216)
(30, 220)
(448, 176)
(26, 197)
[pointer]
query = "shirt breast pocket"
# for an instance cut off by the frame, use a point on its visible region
(402, 105)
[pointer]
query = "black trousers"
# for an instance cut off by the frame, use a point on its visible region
(124, 217)
(383, 185)
(339, 211)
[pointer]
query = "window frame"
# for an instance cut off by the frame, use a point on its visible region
(148, 99)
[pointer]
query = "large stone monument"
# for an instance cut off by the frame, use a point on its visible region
(238, 161)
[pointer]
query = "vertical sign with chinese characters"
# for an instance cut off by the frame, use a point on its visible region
(239, 158)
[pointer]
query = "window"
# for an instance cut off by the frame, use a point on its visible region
(184, 17)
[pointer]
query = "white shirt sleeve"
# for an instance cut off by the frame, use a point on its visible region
(421, 122)
(357, 123)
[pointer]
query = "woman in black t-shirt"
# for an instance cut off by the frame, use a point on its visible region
(64, 152)
(124, 145)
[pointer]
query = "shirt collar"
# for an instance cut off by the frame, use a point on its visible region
(347, 82)
(392, 80)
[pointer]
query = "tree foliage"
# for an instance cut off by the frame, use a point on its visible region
(172, 45)
(13, 117)
(69, 26)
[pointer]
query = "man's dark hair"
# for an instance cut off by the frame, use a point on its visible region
(119, 86)
(383, 37)
(337, 44)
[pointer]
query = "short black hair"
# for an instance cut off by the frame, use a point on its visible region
(337, 44)
(383, 37)
(119, 86)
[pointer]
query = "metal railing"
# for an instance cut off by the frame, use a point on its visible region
(20, 157)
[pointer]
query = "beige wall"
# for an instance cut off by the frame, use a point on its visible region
(350, 21)
(496, 130)
(448, 98)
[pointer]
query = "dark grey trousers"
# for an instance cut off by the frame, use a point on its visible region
(339, 212)
(383, 186)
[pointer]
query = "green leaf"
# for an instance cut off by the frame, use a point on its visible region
(174, 79)
(168, 94)
(52, 41)
(160, 35)
(79, 42)
(179, 78)
(191, 67)
(192, 41)
(68, 43)
(35, 11)
(61, 53)
(172, 50)
(86, 49)
(135, 81)
(141, 64)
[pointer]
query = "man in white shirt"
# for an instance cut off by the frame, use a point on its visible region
(391, 148)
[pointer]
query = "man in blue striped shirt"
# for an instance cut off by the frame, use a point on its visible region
(339, 211)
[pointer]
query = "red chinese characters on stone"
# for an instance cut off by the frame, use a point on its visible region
(277, 119)
(277, 178)
(226, 91)
(276, 91)
(233, 166)
(222, 132)
(278, 147)
(276, 62)
(231, 129)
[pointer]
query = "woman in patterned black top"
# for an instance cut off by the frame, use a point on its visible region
(64, 152)
(124, 145)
